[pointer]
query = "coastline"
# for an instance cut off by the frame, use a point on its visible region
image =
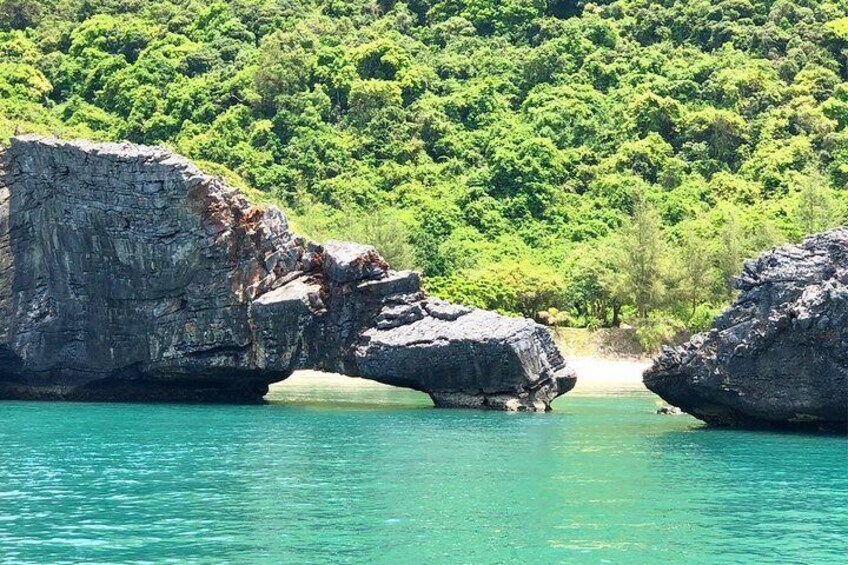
(595, 375)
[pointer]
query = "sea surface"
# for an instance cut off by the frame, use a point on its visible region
(328, 474)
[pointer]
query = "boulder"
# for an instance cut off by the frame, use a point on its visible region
(128, 274)
(778, 357)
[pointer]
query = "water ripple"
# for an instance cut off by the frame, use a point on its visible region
(383, 478)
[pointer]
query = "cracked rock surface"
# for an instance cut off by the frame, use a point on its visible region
(778, 357)
(128, 274)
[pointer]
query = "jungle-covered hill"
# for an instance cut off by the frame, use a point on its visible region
(607, 161)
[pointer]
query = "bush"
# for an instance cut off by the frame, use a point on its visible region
(702, 318)
(657, 330)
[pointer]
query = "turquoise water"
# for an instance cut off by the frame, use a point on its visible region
(377, 476)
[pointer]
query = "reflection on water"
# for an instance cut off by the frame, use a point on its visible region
(328, 391)
(601, 480)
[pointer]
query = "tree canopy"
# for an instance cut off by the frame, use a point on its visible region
(605, 161)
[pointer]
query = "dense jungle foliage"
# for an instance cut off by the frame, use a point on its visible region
(598, 162)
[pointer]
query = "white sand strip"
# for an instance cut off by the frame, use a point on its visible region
(594, 374)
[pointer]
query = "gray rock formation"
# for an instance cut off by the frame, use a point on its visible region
(128, 274)
(778, 357)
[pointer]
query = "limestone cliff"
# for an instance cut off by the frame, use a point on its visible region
(778, 357)
(128, 274)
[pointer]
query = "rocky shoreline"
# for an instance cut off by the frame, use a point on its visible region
(130, 275)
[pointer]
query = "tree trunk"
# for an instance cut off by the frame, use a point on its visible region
(616, 314)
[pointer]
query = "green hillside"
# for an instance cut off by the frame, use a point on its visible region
(609, 161)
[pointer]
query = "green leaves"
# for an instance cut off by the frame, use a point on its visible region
(24, 82)
(112, 35)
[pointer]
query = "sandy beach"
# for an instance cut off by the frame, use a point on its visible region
(595, 375)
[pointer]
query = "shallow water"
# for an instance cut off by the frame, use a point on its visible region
(375, 475)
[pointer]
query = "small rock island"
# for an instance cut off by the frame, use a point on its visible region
(778, 357)
(130, 275)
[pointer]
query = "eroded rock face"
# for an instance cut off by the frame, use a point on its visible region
(777, 357)
(128, 274)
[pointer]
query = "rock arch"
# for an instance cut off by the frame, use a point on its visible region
(128, 274)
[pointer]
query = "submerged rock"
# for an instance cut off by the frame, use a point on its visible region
(128, 274)
(777, 357)
(669, 410)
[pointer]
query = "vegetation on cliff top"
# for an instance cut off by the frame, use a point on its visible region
(602, 162)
